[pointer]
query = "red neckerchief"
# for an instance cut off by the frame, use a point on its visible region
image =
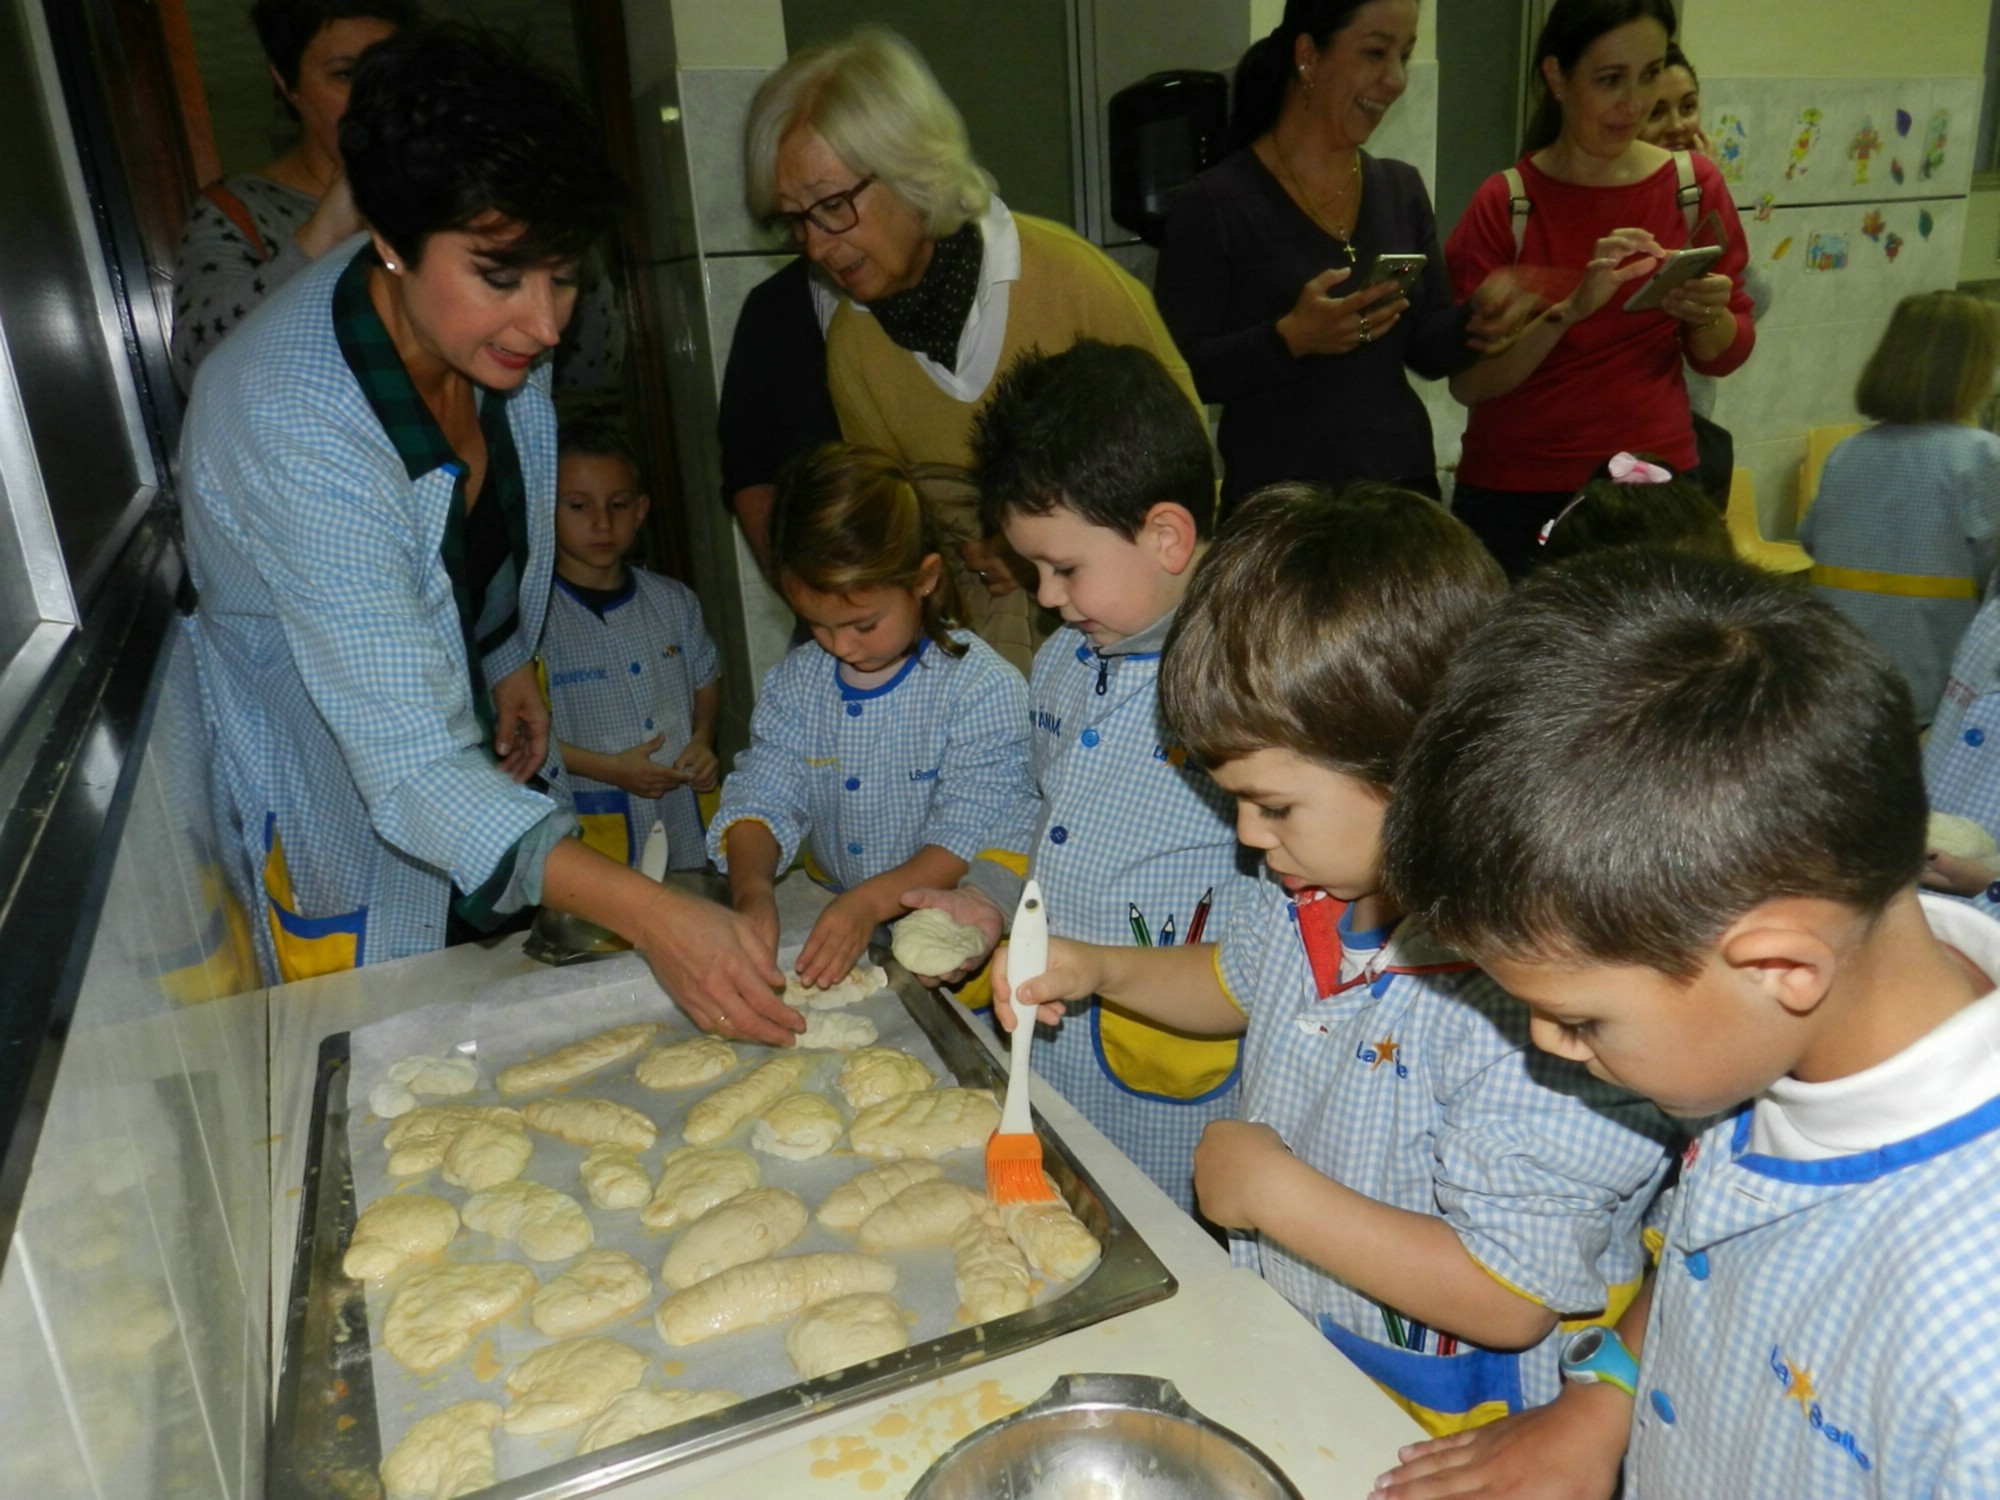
(1318, 915)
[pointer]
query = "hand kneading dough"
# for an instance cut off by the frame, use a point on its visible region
(835, 1031)
(719, 1113)
(858, 1197)
(846, 1331)
(564, 1384)
(1053, 1239)
(596, 1287)
(921, 1216)
(767, 1291)
(577, 1059)
(396, 1230)
(752, 1226)
(546, 1224)
(1950, 834)
(683, 1065)
(591, 1122)
(798, 1127)
(930, 943)
(435, 1314)
(993, 1278)
(614, 1178)
(877, 1073)
(862, 980)
(484, 1155)
(634, 1412)
(445, 1454)
(418, 1141)
(696, 1178)
(927, 1124)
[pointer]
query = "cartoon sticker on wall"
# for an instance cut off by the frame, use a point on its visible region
(1873, 225)
(1896, 171)
(1936, 134)
(1925, 223)
(1803, 140)
(1893, 245)
(1866, 144)
(1826, 252)
(1784, 245)
(1764, 206)
(1729, 139)
(1903, 122)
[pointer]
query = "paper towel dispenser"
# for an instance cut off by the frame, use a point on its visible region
(1164, 129)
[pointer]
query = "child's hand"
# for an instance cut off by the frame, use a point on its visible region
(991, 564)
(1233, 1170)
(969, 908)
(697, 765)
(1075, 972)
(1959, 874)
(1570, 1449)
(760, 909)
(635, 771)
(838, 938)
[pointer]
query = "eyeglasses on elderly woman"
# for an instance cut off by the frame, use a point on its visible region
(833, 214)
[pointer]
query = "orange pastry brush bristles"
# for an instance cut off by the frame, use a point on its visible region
(1014, 1154)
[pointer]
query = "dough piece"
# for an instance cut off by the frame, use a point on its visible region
(927, 1124)
(546, 1224)
(563, 1384)
(614, 1178)
(877, 1073)
(632, 1413)
(752, 1226)
(596, 1287)
(445, 1454)
(993, 1278)
(767, 1291)
(685, 1065)
(591, 1122)
(577, 1059)
(719, 1113)
(798, 1127)
(858, 1197)
(1960, 837)
(436, 1313)
(397, 1093)
(846, 1331)
(418, 1141)
(396, 1230)
(696, 1178)
(835, 1031)
(863, 980)
(929, 942)
(921, 1216)
(1054, 1239)
(484, 1155)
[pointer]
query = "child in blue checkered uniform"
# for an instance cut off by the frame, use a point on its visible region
(632, 675)
(1407, 1170)
(893, 745)
(1678, 810)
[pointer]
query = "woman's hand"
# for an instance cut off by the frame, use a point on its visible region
(992, 564)
(1502, 305)
(718, 966)
(520, 723)
(1320, 323)
(969, 908)
(1075, 972)
(1700, 302)
(1622, 256)
(837, 939)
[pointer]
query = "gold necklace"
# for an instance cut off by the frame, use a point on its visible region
(1313, 210)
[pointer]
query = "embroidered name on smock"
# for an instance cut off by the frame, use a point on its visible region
(930, 775)
(1797, 1384)
(822, 762)
(581, 674)
(1387, 1052)
(1048, 721)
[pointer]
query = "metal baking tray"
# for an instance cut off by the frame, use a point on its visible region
(325, 1443)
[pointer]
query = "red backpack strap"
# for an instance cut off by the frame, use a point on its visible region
(238, 213)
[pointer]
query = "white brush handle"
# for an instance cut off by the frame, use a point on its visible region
(1027, 958)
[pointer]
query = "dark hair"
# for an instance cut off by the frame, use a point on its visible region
(285, 28)
(1100, 428)
(1567, 34)
(1320, 623)
(597, 437)
(1264, 74)
(450, 126)
(1638, 748)
(1609, 513)
(1679, 59)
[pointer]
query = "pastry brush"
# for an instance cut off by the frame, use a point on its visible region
(1014, 1154)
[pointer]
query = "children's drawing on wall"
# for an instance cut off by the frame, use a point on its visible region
(1925, 223)
(1729, 139)
(1903, 122)
(1935, 135)
(1826, 252)
(1865, 145)
(1803, 140)
(1764, 205)
(1896, 171)
(1893, 245)
(1783, 246)
(1873, 225)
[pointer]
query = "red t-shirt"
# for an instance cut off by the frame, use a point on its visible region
(1613, 382)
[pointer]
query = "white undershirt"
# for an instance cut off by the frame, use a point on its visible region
(1934, 1080)
(985, 331)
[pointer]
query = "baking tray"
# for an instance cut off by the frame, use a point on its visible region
(325, 1441)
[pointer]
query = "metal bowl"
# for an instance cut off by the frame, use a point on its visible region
(1105, 1437)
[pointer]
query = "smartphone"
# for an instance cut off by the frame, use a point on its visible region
(1401, 269)
(1677, 269)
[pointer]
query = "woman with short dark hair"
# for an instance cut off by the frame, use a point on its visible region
(370, 481)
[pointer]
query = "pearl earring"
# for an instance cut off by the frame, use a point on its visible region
(389, 266)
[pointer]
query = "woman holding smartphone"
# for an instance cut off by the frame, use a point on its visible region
(1267, 278)
(1592, 376)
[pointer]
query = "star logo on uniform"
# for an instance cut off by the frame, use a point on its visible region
(1385, 1052)
(1799, 1387)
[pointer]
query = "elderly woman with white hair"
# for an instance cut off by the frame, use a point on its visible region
(856, 149)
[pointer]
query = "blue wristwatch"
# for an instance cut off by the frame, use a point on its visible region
(1598, 1355)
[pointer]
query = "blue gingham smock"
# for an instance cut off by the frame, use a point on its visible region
(1912, 505)
(617, 681)
(328, 645)
(866, 777)
(1828, 1328)
(1422, 1089)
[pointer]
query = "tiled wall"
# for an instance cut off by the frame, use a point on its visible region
(134, 1300)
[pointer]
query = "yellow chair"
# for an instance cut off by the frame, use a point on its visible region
(1820, 441)
(1748, 537)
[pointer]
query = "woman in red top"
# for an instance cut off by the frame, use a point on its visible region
(1586, 378)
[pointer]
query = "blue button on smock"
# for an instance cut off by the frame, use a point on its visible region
(1058, 835)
